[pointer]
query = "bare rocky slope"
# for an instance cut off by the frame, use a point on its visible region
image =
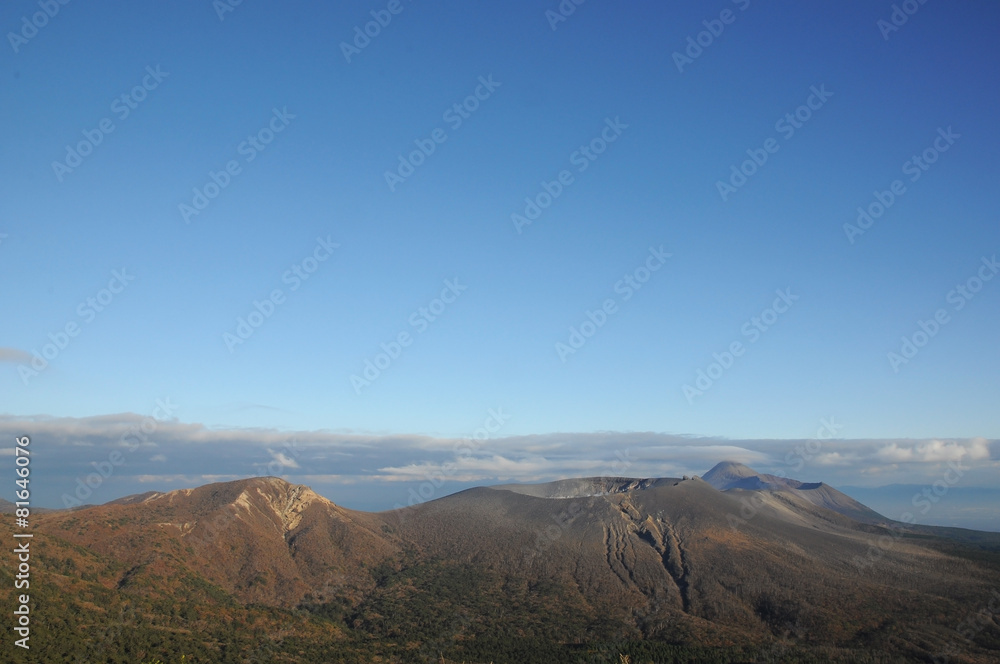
(731, 476)
(732, 558)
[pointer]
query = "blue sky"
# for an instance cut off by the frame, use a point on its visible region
(888, 97)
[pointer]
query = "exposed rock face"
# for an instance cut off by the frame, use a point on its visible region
(279, 502)
(263, 539)
(650, 558)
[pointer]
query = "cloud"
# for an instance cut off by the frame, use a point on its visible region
(282, 459)
(933, 451)
(496, 467)
(893, 453)
(14, 355)
(186, 480)
(979, 448)
(174, 454)
(874, 471)
(834, 459)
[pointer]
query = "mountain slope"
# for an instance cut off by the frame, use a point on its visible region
(681, 557)
(519, 573)
(264, 540)
(729, 475)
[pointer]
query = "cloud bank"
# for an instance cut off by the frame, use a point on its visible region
(132, 453)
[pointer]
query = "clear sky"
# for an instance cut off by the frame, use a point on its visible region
(308, 129)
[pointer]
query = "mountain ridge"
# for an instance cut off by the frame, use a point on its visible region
(659, 560)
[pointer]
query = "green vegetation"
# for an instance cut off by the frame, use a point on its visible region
(430, 612)
(616, 588)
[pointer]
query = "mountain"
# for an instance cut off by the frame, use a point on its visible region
(731, 476)
(583, 487)
(7, 507)
(579, 570)
(262, 540)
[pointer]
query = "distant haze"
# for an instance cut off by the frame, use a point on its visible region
(376, 472)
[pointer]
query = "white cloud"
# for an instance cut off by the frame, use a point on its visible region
(283, 459)
(893, 453)
(834, 459)
(186, 479)
(935, 451)
(188, 454)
